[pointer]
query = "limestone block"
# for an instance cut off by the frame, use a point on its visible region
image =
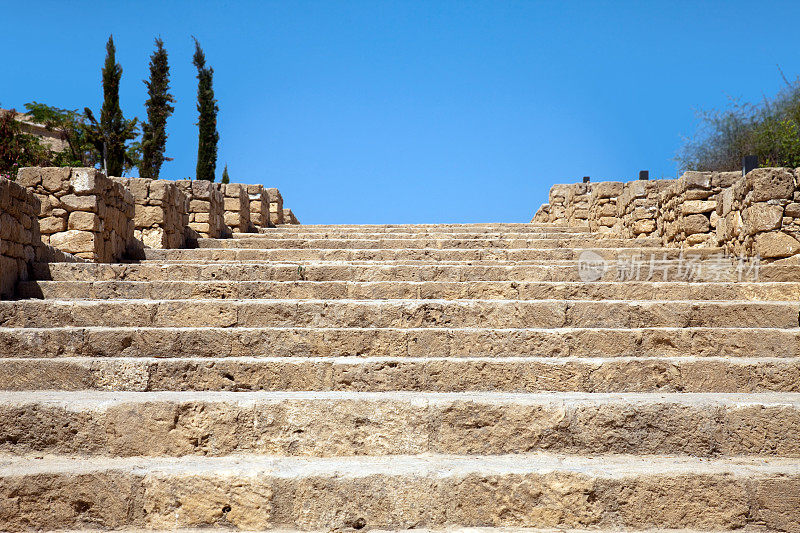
(74, 241)
(762, 217)
(691, 207)
(695, 224)
(52, 224)
(770, 183)
(82, 220)
(79, 203)
(776, 244)
(148, 216)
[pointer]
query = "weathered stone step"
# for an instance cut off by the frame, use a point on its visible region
(165, 342)
(418, 228)
(425, 254)
(262, 492)
(350, 234)
(431, 374)
(391, 423)
(378, 271)
(513, 290)
(422, 244)
(398, 313)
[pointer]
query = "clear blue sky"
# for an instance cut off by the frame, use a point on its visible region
(412, 111)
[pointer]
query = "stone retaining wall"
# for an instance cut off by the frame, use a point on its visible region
(542, 215)
(19, 234)
(558, 204)
(275, 206)
(638, 208)
(603, 209)
(206, 208)
(160, 212)
(236, 206)
(578, 198)
(259, 207)
(289, 218)
(82, 212)
(760, 214)
(688, 208)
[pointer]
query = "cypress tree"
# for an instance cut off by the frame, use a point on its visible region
(225, 177)
(114, 129)
(154, 136)
(207, 121)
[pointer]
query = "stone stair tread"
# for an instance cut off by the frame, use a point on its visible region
(607, 466)
(91, 399)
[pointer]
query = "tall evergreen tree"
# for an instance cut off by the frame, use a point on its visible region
(159, 108)
(207, 121)
(225, 177)
(113, 130)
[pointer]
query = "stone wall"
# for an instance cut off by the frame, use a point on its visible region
(289, 218)
(82, 212)
(578, 197)
(206, 208)
(558, 204)
(688, 208)
(275, 206)
(160, 212)
(639, 208)
(760, 214)
(603, 209)
(236, 205)
(19, 234)
(259, 207)
(542, 215)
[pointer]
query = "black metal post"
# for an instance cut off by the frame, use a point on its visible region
(749, 162)
(586, 179)
(644, 174)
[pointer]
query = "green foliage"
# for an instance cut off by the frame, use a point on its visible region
(80, 151)
(225, 177)
(159, 108)
(18, 149)
(770, 131)
(111, 134)
(207, 121)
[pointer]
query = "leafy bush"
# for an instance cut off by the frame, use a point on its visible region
(770, 131)
(19, 149)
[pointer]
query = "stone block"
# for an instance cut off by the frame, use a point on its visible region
(695, 224)
(74, 241)
(776, 244)
(692, 207)
(770, 183)
(82, 220)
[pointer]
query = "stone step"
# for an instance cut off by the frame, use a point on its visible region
(424, 254)
(351, 234)
(399, 271)
(419, 228)
(633, 290)
(262, 492)
(399, 313)
(164, 342)
(336, 423)
(431, 374)
(422, 244)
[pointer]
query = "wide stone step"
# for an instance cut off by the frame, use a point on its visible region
(417, 244)
(202, 342)
(263, 492)
(351, 234)
(165, 290)
(401, 271)
(390, 423)
(419, 228)
(424, 254)
(398, 313)
(431, 374)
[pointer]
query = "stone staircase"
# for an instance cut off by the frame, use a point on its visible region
(396, 377)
